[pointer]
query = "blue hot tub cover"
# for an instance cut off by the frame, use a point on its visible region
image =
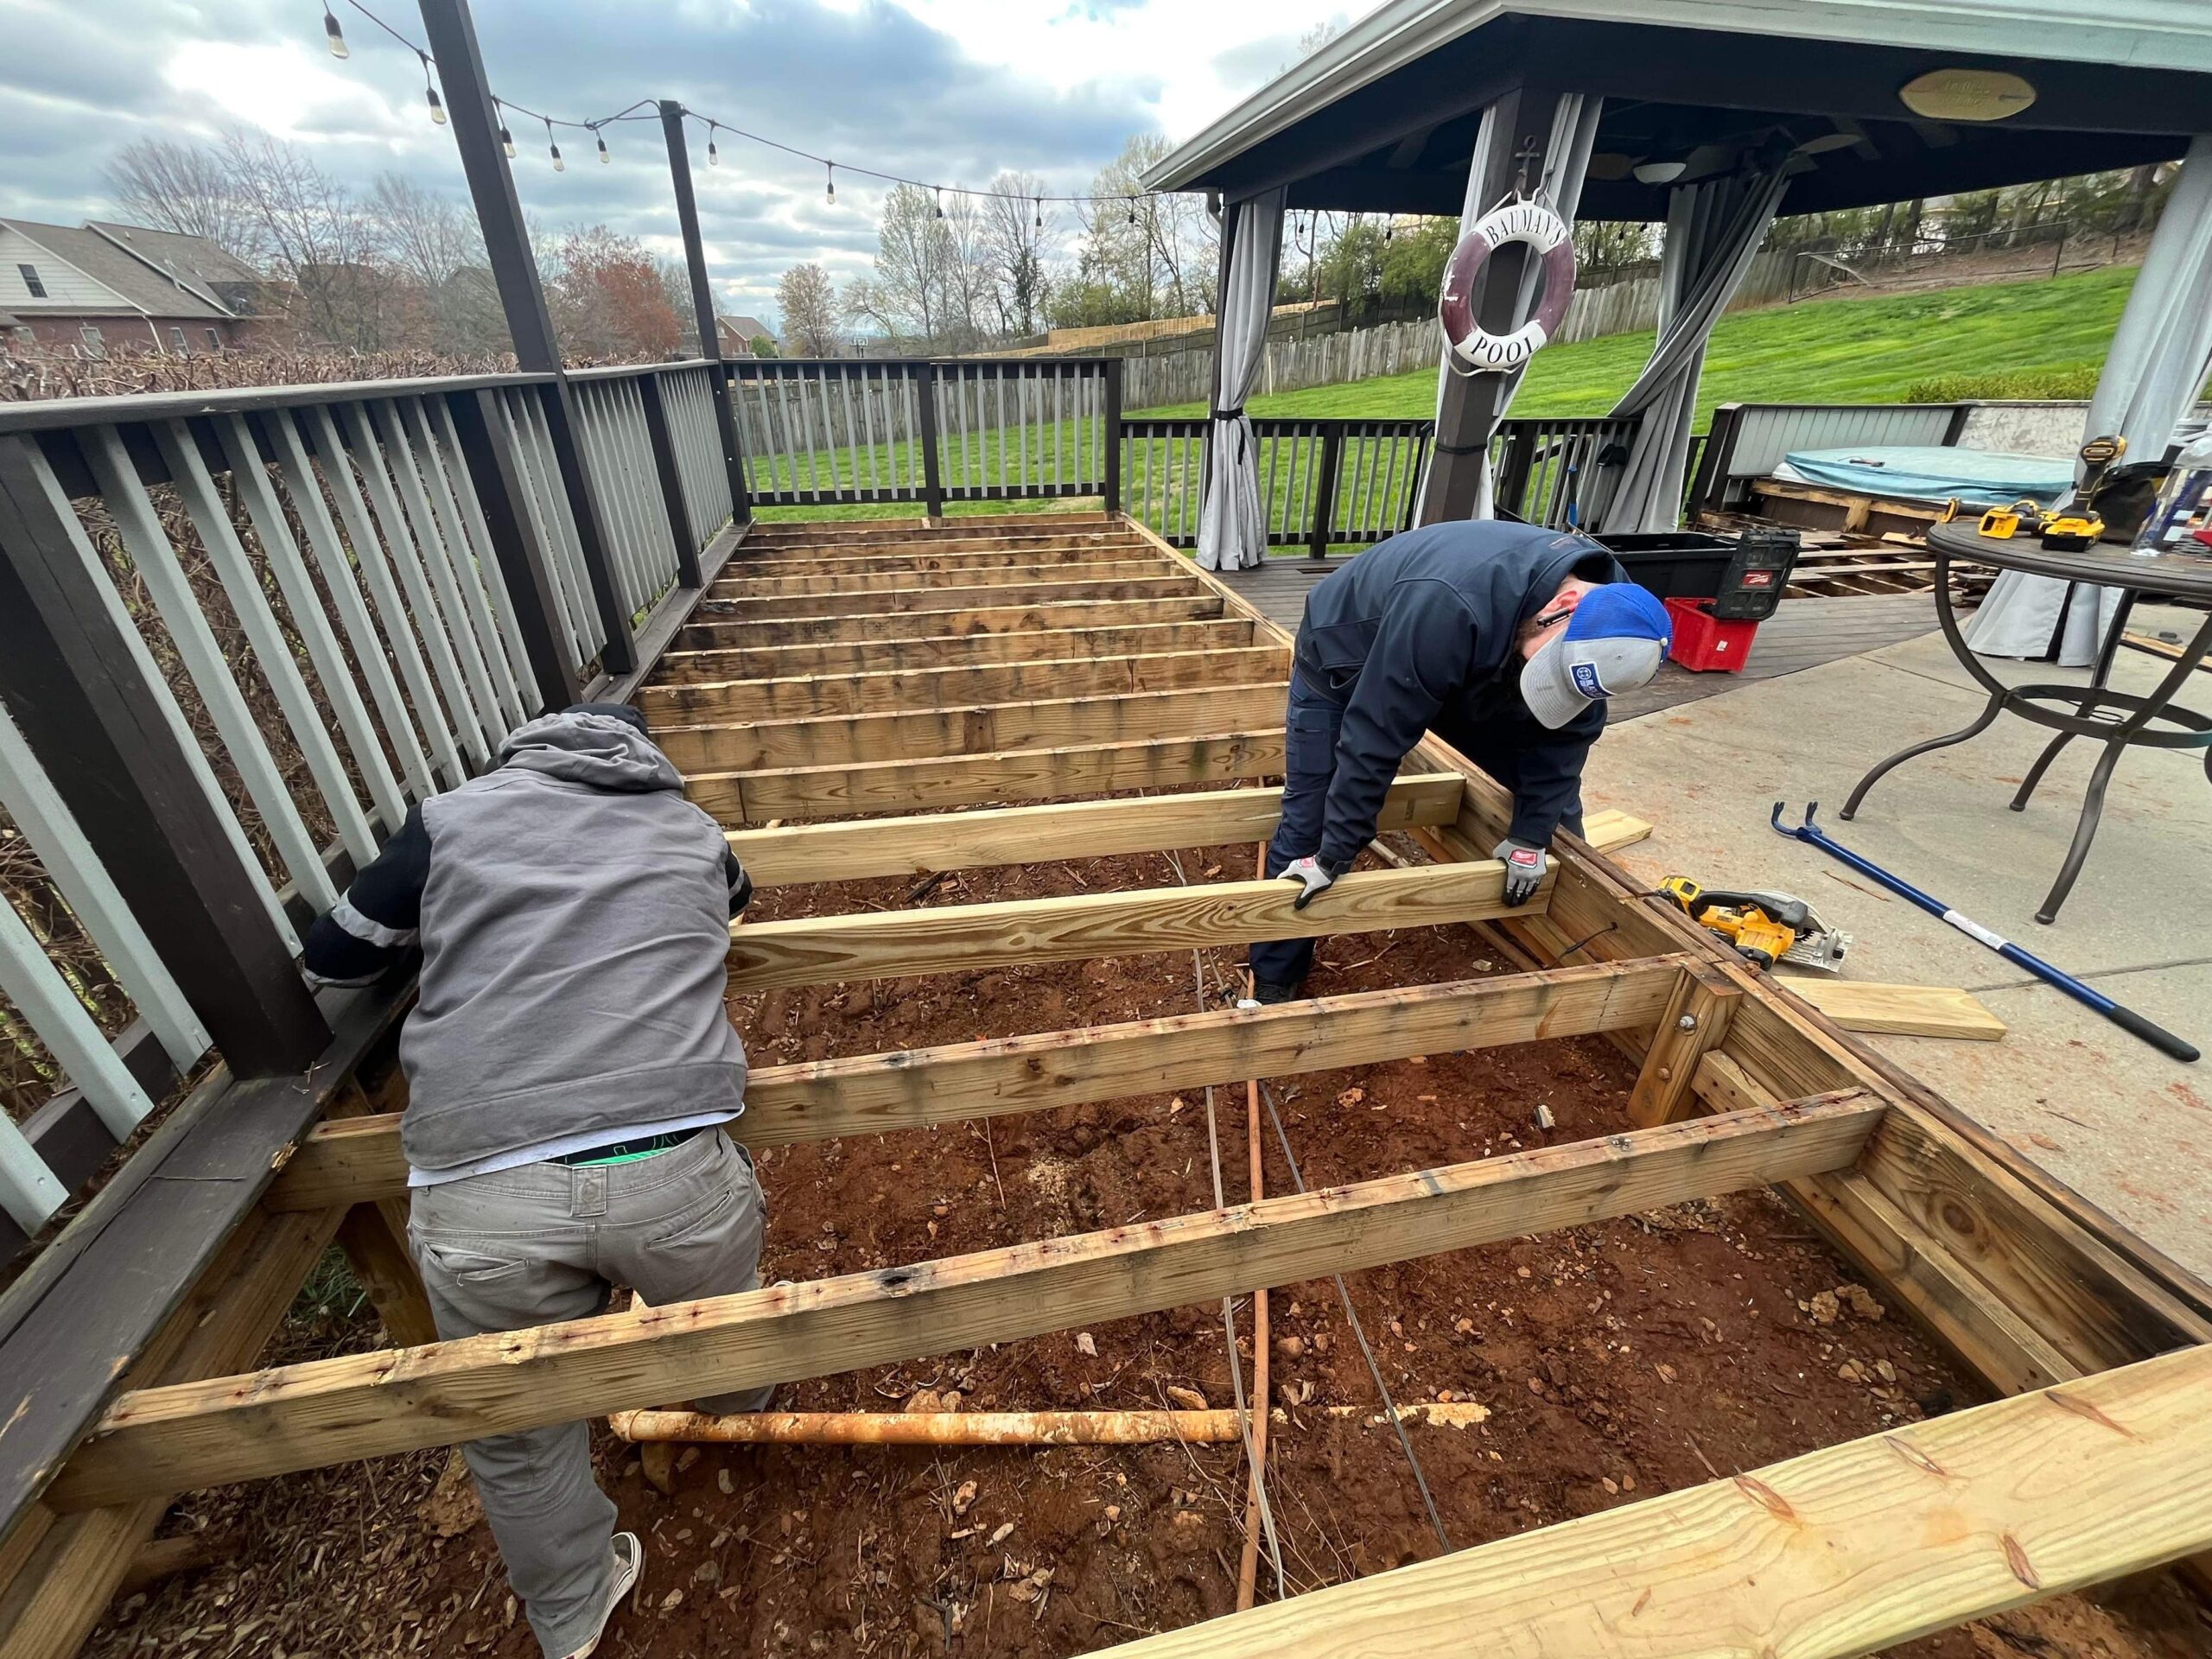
(1934, 472)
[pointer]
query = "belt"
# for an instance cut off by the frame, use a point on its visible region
(620, 1151)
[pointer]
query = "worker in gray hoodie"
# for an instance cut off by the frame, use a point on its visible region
(571, 1073)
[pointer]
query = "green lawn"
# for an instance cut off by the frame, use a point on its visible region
(1824, 351)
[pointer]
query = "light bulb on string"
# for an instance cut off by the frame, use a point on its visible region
(1040, 212)
(430, 91)
(605, 159)
(335, 34)
(1133, 210)
(940, 199)
(559, 166)
(714, 155)
(830, 183)
(506, 138)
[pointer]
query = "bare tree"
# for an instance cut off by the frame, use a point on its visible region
(809, 305)
(434, 243)
(315, 237)
(905, 298)
(1017, 235)
(970, 289)
(187, 188)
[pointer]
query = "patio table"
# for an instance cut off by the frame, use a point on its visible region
(2116, 719)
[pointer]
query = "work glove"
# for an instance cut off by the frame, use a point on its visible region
(1525, 869)
(1308, 872)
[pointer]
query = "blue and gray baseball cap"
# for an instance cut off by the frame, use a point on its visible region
(1614, 642)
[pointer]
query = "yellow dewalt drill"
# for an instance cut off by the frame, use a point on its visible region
(1764, 927)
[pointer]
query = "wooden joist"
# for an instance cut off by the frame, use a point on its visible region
(168, 1440)
(751, 585)
(1038, 835)
(1045, 553)
(740, 798)
(886, 944)
(1848, 1550)
(709, 635)
(813, 696)
(949, 651)
(903, 535)
(927, 733)
(354, 1160)
(1902, 1010)
(900, 601)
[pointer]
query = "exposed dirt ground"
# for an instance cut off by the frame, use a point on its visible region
(1617, 1361)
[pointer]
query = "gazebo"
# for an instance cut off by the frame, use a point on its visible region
(1710, 117)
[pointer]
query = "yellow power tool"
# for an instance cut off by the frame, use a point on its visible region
(1764, 927)
(2002, 523)
(2081, 525)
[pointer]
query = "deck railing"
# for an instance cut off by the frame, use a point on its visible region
(836, 430)
(241, 632)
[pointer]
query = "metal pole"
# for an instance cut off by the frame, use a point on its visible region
(522, 296)
(703, 302)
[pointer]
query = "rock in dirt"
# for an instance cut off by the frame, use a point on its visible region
(1860, 1301)
(964, 1499)
(1291, 1347)
(925, 1399)
(1189, 1399)
(656, 1461)
(453, 1507)
(1084, 1345)
(1823, 1309)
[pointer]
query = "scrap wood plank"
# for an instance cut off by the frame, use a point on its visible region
(1015, 572)
(981, 728)
(2164, 648)
(954, 621)
(950, 651)
(1843, 1551)
(887, 944)
(1902, 1010)
(1611, 829)
(354, 1160)
(900, 601)
(737, 797)
(177, 1439)
(814, 696)
(1033, 835)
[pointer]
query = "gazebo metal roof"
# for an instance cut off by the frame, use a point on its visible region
(1383, 118)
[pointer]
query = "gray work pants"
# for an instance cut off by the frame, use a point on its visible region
(546, 1242)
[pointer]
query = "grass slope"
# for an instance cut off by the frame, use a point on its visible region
(1826, 350)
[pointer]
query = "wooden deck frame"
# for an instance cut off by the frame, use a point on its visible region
(1142, 583)
(2028, 1284)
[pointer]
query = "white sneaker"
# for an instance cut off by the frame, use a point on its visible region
(1246, 1004)
(629, 1567)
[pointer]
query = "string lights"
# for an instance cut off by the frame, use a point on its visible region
(335, 37)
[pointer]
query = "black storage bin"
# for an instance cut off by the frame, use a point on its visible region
(1743, 576)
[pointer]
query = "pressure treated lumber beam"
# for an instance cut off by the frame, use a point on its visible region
(953, 621)
(886, 944)
(1902, 1010)
(738, 797)
(354, 1160)
(983, 729)
(900, 601)
(814, 697)
(1695, 1021)
(949, 651)
(303, 1416)
(1037, 835)
(1848, 1550)
(747, 584)
(918, 532)
(977, 552)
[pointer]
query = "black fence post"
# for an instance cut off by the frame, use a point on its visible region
(1325, 496)
(703, 307)
(76, 688)
(671, 482)
(1113, 435)
(500, 489)
(932, 463)
(1511, 483)
(522, 297)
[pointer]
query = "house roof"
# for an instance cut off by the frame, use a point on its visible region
(131, 273)
(1382, 117)
(744, 328)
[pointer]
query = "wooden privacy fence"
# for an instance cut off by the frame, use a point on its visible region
(240, 633)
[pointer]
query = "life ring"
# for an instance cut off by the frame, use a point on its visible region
(1551, 241)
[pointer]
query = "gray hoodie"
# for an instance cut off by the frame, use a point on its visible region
(575, 930)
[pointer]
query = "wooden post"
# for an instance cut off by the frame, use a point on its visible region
(703, 305)
(1325, 493)
(671, 482)
(521, 561)
(522, 297)
(1113, 435)
(72, 677)
(1473, 402)
(1696, 1020)
(374, 1238)
(932, 463)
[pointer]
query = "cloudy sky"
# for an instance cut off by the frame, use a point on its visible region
(942, 90)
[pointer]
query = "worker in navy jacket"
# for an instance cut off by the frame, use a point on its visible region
(1505, 639)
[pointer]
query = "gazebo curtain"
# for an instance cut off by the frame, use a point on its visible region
(2159, 357)
(1714, 229)
(1232, 523)
(1566, 162)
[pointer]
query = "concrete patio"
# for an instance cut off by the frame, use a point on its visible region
(2127, 1127)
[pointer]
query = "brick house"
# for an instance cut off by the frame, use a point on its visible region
(103, 286)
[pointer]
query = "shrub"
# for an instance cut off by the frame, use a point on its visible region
(2055, 382)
